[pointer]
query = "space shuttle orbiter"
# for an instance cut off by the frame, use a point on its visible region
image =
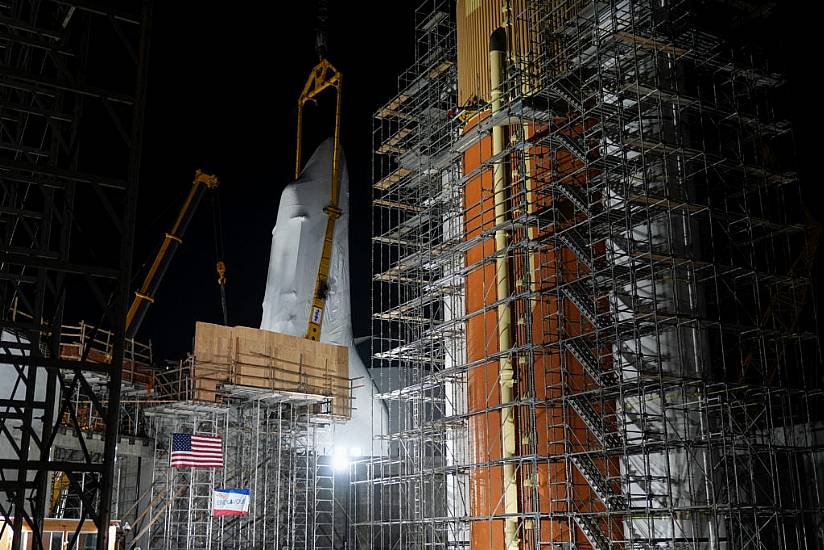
(297, 243)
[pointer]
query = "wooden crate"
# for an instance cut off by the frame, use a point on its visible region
(263, 359)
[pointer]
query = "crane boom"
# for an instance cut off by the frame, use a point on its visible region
(144, 297)
(324, 75)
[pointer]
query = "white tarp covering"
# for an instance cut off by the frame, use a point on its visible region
(297, 243)
(673, 478)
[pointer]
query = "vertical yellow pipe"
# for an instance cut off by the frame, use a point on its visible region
(497, 61)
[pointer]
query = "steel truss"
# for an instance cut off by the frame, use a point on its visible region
(73, 72)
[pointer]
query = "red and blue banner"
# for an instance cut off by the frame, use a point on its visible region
(230, 502)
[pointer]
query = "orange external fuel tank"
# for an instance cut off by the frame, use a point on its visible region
(524, 488)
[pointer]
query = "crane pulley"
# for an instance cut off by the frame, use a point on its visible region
(323, 76)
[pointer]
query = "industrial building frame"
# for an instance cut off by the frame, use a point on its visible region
(666, 373)
(73, 72)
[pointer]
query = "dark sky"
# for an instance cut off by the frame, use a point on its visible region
(223, 84)
(788, 40)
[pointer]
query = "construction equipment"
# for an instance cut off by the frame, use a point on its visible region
(324, 75)
(173, 239)
(220, 265)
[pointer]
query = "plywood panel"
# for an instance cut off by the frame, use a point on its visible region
(264, 359)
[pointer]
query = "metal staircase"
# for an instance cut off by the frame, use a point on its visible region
(589, 361)
(577, 294)
(585, 295)
(578, 199)
(574, 242)
(592, 531)
(584, 409)
(598, 483)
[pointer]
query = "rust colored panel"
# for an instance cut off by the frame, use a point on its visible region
(487, 534)
(554, 373)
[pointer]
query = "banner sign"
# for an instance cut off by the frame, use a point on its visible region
(230, 502)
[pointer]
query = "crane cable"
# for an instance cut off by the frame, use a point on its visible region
(321, 43)
(323, 76)
(220, 265)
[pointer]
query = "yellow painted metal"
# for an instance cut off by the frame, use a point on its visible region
(141, 296)
(324, 75)
(221, 272)
(201, 178)
(506, 374)
(532, 232)
(60, 483)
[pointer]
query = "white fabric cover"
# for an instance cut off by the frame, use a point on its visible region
(297, 244)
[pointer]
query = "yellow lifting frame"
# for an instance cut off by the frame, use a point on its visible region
(323, 76)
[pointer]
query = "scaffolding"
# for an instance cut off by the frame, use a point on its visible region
(276, 443)
(649, 377)
(84, 342)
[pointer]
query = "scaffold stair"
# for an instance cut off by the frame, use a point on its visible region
(572, 145)
(592, 532)
(595, 479)
(588, 360)
(578, 296)
(586, 412)
(574, 196)
(561, 90)
(574, 242)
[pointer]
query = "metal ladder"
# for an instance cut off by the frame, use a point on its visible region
(324, 505)
(300, 499)
(199, 497)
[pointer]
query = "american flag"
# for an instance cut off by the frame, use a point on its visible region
(199, 451)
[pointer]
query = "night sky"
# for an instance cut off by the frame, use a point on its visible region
(223, 84)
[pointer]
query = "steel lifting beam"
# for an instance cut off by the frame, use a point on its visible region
(323, 76)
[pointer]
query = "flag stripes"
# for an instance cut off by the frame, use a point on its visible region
(198, 451)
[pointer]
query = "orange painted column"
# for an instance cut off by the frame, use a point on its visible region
(554, 430)
(483, 391)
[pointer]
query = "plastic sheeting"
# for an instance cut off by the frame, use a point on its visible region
(297, 244)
